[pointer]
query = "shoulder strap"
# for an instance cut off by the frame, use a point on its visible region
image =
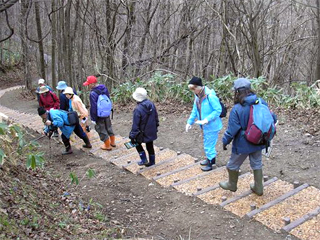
(52, 97)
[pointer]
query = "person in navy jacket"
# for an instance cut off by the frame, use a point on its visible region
(103, 125)
(244, 97)
(144, 126)
(64, 101)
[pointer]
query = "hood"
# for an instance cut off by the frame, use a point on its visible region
(101, 88)
(147, 106)
(251, 99)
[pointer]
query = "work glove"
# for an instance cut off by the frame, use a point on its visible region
(224, 147)
(84, 120)
(202, 122)
(48, 123)
(93, 122)
(188, 127)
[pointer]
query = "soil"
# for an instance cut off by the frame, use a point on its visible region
(142, 208)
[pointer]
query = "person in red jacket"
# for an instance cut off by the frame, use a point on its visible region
(48, 99)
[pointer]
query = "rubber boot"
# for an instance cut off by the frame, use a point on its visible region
(143, 158)
(87, 142)
(208, 167)
(106, 145)
(231, 185)
(113, 141)
(68, 150)
(204, 162)
(152, 161)
(257, 187)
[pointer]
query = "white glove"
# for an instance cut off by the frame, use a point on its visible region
(202, 122)
(84, 120)
(48, 123)
(188, 127)
(93, 122)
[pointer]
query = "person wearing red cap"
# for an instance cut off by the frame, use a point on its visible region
(103, 125)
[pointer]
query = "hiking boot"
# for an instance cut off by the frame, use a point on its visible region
(152, 159)
(106, 145)
(257, 187)
(67, 151)
(143, 158)
(231, 185)
(113, 141)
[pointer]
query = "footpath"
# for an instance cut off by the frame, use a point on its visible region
(292, 208)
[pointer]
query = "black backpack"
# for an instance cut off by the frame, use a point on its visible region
(224, 109)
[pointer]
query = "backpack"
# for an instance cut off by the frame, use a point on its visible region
(223, 107)
(104, 105)
(261, 127)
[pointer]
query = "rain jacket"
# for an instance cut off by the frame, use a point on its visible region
(64, 101)
(78, 106)
(145, 117)
(210, 110)
(49, 100)
(94, 99)
(59, 118)
(237, 125)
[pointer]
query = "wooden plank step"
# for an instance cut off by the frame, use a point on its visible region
(293, 208)
(176, 170)
(202, 181)
(190, 170)
(163, 155)
(309, 229)
(271, 192)
(179, 161)
(215, 196)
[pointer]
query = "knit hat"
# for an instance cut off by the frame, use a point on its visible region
(243, 83)
(41, 81)
(140, 94)
(43, 89)
(41, 111)
(68, 90)
(196, 81)
(62, 85)
(90, 80)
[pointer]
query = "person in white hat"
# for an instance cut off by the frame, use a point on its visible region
(78, 106)
(41, 82)
(144, 126)
(48, 99)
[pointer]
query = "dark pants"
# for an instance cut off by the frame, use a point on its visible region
(78, 131)
(150, 148)
(104, 128)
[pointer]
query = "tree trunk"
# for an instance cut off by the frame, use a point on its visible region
(40, 43)
(318, 41)
(53, 44)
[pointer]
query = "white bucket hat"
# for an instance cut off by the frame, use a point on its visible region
(41, 81)
(140, 94)
(68, 90)
(43, 89)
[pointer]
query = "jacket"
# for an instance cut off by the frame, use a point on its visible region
(94, 99)
(78, 106)
(59, 118)
(64, 101)
(145, 117)
(237, 125)
(49, 100)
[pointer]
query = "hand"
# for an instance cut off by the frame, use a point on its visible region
(84, 120)
(202, 122)
(48, 123)
(224, 147)
(188, 127)
(93, 122)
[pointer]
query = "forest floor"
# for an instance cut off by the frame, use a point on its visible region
(142, 208)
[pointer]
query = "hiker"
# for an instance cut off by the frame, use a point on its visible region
(54, 119)
(41, 82)
(102, 124)
(78, 106)
(144, 126)
(244, 97)
(48, 99)
(64, 101)
(207, 110)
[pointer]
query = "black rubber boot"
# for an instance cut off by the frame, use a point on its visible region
(152, 161)
(87, 142)
(67, 151)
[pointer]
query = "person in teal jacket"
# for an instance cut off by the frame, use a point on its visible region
(54, 119)
(206, 109)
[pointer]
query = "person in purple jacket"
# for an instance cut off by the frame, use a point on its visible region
(103, 125)
(144, 126)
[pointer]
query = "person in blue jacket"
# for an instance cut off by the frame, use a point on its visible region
(244, 97)
(56, 118)
(103, 125)
(206, 109)
(144, 126)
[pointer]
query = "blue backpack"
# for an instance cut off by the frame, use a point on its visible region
(261, 127)
(104, 105)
